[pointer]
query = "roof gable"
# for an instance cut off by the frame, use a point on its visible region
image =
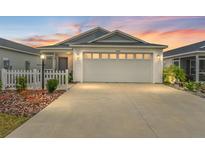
(117, 36)
(86, 36)
(99, 36)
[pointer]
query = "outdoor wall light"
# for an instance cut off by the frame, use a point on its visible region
(158, 57)
(43, 56)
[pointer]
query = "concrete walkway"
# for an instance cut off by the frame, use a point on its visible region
(119, 110)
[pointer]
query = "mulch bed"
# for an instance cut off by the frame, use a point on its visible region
(26, 103)
(197, 93)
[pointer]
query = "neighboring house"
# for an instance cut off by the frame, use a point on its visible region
(99, 55)
(17, 56)
(191, 58)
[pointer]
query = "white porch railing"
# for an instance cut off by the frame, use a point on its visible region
(34, 78)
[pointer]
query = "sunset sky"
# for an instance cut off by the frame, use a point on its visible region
(40, 31)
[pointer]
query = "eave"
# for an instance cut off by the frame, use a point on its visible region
(21, 51)
(54, 48)
(182, 54)
(119, 46)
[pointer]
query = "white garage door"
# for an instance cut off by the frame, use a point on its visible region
(122, 67)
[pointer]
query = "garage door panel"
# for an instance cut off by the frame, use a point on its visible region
(117, 70)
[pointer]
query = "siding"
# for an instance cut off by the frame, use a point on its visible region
(17, 59)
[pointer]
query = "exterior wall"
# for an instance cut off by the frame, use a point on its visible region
(77, 66)
(157, 66)
(17, 59)
(78, 60)
(168, 62)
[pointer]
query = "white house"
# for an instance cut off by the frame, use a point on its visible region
(99, 55)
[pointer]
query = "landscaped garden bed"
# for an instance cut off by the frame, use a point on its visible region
(17, 106)
(175, 77)
(26, 103)
(198, 92)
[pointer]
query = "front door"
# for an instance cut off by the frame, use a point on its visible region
(62, 63)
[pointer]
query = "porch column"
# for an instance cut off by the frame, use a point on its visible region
(179, 62)
(197, 68)
(54, 61)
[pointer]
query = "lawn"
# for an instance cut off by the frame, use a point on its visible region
(10, 122)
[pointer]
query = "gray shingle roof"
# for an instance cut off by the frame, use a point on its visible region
(17, 46)
(55, 46)
(81, 38)
(115, 38)
(199, 46)
(122, 43)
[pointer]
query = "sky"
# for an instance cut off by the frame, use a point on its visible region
(174, 31)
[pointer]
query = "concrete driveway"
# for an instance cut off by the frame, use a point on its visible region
(119, 110)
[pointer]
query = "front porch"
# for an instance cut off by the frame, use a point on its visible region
(193, 65)
(59, 61)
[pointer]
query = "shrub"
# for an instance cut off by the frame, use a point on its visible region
(168, 75)
(52, 85)
(21, 83)
(179, 74)
(70, 77)
(192, 86)
(0, 85)
(173, 74)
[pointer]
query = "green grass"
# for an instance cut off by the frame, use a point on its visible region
(10, 122)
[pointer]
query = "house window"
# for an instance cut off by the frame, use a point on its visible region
(49, 62)
(27, 65)
(147, 56)
(192, 67)
(122, 56)
(96, 56)
(6, 63)
(176, 62)
(202, 65)
(87, 56)
(130, 56)
(139, 56)
(202, 70)
(104, 56)
(113, 56)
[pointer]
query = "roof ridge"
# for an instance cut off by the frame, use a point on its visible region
(118, 31)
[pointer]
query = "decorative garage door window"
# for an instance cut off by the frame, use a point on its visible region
(104, 56)
(87, 56)
(139, 56)
(120, 56)
(147, 56)
(96, 56)
(113, 56)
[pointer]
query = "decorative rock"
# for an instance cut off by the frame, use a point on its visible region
(26, 103)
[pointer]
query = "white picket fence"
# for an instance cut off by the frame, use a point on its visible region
(34, 78)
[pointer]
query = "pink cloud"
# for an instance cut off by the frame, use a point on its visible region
(41, 40)
(173, 38)
(71, 28)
